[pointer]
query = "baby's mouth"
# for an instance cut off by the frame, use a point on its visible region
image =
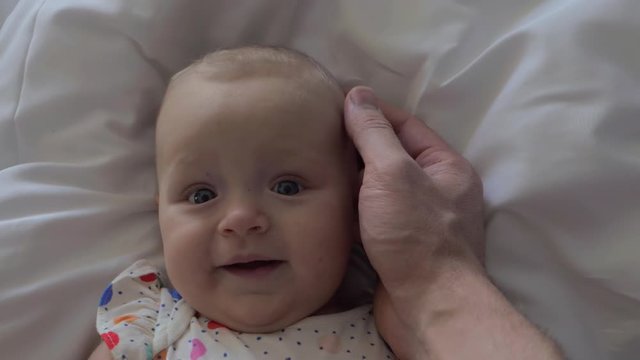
(257, 268)
(253, 265)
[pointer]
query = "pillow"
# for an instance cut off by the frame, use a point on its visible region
(541, 96)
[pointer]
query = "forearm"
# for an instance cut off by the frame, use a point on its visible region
(464, 316)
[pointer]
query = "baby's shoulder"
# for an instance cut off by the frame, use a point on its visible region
(140, 281)
(136, 313)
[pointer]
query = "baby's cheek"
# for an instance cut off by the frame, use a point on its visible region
(330, 268)
(187, 239)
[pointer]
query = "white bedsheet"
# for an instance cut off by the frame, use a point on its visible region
(542, 96)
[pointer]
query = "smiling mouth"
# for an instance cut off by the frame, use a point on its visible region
(253, 268)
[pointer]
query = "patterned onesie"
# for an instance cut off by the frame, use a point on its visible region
(138, 318)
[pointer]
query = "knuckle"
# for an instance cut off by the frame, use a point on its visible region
(372, 119)
(474, 182)
(432, 156)
(398, 166)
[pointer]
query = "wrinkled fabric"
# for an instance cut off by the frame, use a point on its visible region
(541, 95)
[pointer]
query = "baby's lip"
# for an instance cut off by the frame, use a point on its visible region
(247, 259)
(252, 266)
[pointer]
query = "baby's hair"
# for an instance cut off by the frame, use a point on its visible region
(247, 62)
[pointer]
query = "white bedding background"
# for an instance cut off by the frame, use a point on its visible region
(542, 96)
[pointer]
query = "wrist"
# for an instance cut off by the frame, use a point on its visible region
(452, 286)
(460, 305)
(442, 279)
(423, 304)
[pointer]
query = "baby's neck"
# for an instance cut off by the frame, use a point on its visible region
(332, 307)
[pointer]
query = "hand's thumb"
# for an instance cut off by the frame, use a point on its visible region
(370, 131)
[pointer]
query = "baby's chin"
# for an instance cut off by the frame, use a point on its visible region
(262, 321)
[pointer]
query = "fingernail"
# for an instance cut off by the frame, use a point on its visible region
(364, 97)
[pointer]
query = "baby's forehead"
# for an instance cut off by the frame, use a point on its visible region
(274, 93)
(267, 114)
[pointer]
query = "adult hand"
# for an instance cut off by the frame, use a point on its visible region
(419, 201)
(421, 224)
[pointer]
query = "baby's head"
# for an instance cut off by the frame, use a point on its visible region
(257, 187)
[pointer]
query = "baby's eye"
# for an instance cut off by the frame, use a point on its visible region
(287, 187)
(201, 196)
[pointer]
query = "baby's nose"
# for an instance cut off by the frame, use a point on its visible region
(242, 222)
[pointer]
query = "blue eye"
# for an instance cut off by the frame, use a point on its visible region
(201, 196)
(287, 187)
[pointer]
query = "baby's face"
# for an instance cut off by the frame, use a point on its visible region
(256, 199)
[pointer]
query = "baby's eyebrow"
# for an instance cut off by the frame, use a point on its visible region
(185, 160)
(302, 162)
(293, 153)
(181, 164)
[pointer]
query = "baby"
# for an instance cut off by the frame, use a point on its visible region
(257, 199)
